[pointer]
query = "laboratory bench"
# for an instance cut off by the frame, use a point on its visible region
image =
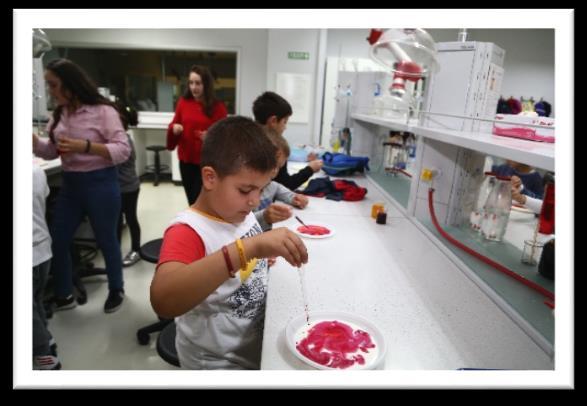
(432, 314)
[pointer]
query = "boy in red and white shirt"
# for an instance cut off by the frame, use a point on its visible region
(212, 270)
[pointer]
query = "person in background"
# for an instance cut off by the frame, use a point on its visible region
(532, 203)
(528, 180)
(212, 270)
(272, 111)
(86, 132)
(44, 346)
(130, 186)
(196, 111)
(269, 212)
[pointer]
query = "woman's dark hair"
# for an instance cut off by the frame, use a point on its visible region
(77, 82)
(128, 115)
(235, 142)
(270, 104)
(208, 98)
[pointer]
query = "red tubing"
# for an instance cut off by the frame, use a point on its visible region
(483, 258)
(404, 172)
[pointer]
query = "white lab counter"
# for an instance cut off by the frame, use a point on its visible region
(50, 167)
(431, 314)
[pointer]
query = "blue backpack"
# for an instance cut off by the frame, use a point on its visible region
(336, 164)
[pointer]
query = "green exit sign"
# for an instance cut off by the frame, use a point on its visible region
(298, 55)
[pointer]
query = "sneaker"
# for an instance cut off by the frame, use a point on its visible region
(81, 296)
(131, 258)
(114, 301)
(46, 362)
(64, 304)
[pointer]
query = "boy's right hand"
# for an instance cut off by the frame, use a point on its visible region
(274, 213)
(177, 129)
(280, 242)
(316, 165)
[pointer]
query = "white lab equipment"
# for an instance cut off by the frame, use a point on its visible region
(409, 54)
(41, 45)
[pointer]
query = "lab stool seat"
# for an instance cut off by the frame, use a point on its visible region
(150, 253)
(157, 169)
(166, 344)
(150, 250)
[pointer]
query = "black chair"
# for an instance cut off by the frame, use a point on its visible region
(150, 253)
(166, 345)
(157, 169)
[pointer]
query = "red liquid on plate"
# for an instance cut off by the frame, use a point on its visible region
(334, 344)
(313, 230)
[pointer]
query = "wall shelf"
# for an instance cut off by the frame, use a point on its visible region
(536, 154)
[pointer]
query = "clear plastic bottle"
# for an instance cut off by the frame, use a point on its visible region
(482, 195)
(497, 209)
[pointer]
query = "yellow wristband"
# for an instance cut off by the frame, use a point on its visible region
(241, 253)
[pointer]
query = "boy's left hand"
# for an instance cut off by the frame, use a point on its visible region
(300, 201)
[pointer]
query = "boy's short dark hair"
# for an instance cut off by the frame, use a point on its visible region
(235, 142)
(270, 104)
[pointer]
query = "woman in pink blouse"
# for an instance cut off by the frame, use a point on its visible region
(87, 133)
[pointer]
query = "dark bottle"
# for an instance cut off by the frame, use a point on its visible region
(546, 264)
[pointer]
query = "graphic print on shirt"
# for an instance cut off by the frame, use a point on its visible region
(248, 300)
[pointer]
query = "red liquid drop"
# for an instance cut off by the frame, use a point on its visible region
(313, 230)
(333, 344)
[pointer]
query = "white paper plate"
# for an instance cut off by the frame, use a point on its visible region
(297, 329)
(314, 236)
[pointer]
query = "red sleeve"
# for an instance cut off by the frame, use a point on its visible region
(181, 244)
(172, 139)
(219, 112)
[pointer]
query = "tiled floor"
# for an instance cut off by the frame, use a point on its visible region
(88, 338)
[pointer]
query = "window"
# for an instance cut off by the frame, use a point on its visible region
(151, 80)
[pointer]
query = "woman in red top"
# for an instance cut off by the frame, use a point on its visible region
(196, 111)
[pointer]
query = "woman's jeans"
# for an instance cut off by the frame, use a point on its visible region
(95, 194)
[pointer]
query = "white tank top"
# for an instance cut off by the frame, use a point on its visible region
(224, 331)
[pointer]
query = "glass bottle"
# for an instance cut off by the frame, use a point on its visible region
(497, 209)
(482, 195)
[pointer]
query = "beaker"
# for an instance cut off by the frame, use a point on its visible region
(532, 252)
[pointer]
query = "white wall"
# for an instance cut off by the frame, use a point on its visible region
(250, 43)
(529, 55)
(282, 41)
